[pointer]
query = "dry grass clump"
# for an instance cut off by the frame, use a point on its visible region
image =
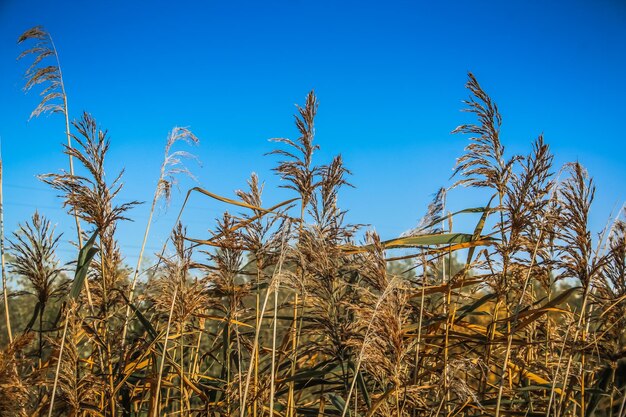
(78, 388)
(13, 380)
(287, 310)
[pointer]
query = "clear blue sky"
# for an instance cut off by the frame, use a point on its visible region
(389, 76)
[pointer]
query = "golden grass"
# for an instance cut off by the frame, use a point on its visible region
(285, 309)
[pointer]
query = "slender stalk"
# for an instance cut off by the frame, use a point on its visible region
(58, 368)
(419, 326)
(242, 404)
(171, 165)
(156, 407)
(7, 316)
(257, 322)
(69, 139)
(182, 368)
(194, 368)
(444, 281)
(136, 272)
(273, 366)
(621, 407)
(294, 338)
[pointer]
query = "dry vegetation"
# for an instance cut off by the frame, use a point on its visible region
(285, 310)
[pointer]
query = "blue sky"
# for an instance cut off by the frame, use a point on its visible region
(389, 76)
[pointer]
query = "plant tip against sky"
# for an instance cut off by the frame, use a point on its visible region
(389, 80)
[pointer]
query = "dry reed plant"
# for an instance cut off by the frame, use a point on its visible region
(287, 310)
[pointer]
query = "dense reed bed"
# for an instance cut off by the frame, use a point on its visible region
(284, 309)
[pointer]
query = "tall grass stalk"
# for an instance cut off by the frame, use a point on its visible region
(5, 290)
